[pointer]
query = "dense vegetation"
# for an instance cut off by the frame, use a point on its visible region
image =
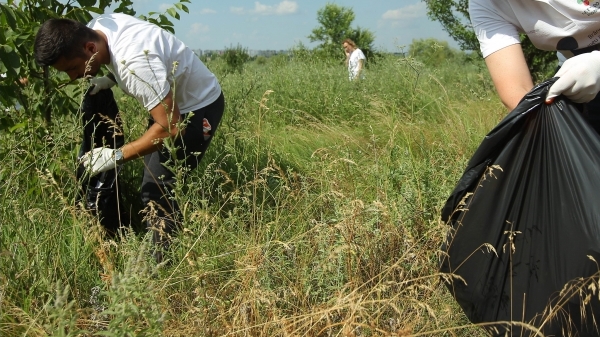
(314, 213)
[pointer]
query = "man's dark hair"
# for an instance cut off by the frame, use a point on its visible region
(61, 37)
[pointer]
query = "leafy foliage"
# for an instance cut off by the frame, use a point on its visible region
(542, 64)
(431, 52)
(235, 57)
(162, 20)
(335, 26)
(454, 17)
(19, 22)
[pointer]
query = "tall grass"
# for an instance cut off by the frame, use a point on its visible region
(314, 213)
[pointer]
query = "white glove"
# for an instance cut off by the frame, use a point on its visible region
(579, 78)
(100, 83)
(100, 159)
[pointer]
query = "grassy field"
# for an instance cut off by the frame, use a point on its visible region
(314, 213)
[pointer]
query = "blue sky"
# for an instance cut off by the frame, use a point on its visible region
(282, 24)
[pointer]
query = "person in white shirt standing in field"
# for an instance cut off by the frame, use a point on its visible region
(355, 60)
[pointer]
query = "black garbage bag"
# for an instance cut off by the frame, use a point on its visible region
(102, 127)
(524, 239)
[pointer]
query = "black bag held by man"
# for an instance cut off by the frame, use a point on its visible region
(523, 249)
(102, 128)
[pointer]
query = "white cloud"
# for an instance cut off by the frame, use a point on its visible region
(164, 7)
(198, 28)
(283, 8)
(237, 10)
(405, 13)
(207, 11)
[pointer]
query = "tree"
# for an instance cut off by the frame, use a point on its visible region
(235, 57)
(431, 52)
(454, 17)
(364, 40)
(19, 21)
(335, 26)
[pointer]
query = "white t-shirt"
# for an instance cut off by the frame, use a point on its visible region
(353, 64)
(562, 25)
(142, 58)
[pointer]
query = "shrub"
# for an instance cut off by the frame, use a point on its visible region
(235, 58)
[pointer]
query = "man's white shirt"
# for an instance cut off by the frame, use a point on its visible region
(562, 25)
(148, 61)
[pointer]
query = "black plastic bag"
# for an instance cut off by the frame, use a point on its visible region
(102, 127)
(524, 242)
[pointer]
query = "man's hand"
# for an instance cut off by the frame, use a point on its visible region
(579, 78)
(99, 160)
(100, 83)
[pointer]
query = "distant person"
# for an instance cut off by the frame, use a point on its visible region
(169, 81)
(355, 60)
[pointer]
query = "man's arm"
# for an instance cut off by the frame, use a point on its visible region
(510, 74)
(165, 125)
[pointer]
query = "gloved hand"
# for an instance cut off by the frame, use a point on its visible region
(100, 159)
(579, 78)
(100, 83)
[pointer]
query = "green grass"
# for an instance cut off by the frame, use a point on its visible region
(314, 213)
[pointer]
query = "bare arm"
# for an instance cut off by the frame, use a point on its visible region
(510, 74)
(165, 125)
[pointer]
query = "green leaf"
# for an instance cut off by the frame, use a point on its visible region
(10, 16)
(125, 7)
(80, 15)
(11, 60)
(164, 21)
(17, 127)
(86, 3)
(182, 7)
(172, 12)
(93, 10)
(21, 39)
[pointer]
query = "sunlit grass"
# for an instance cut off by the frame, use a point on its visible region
(314, 213)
